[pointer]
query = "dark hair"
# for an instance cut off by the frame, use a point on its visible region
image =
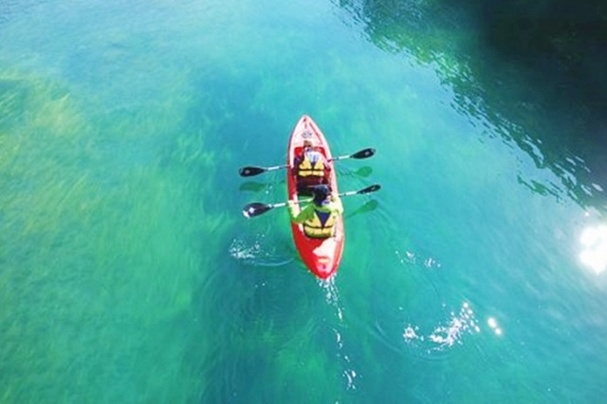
(321, 192)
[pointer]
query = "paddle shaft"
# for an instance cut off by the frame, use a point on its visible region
(341, 195)
(250, 171)
(257, 208)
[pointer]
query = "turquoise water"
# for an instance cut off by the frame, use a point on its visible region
(128, 273)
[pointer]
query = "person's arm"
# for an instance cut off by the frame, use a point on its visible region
(305, 214)
(338, 207)
(296, 163)
(327, 165)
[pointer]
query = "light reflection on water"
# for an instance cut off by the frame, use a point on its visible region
(446, 334)
(594, 248)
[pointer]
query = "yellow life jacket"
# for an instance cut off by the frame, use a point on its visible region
(307, 168)
(315, 227)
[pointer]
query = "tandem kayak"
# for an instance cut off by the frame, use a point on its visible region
(321, 256)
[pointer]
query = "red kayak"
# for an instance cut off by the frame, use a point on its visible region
(321, 256)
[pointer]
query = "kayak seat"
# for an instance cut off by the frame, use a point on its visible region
(309, 173)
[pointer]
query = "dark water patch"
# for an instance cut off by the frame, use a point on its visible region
(534, 70)
(561, 41)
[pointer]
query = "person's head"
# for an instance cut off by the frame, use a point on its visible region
(308, 143)
(321, 194)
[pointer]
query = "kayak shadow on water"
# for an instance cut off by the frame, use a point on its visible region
(364, 172)
(257, 187)
(367, 207)
(252, 186)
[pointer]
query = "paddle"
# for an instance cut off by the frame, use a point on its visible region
(258, 208)
(250, 171)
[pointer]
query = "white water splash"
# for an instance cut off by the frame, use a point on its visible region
(257, 252)
(332, 298)
(444, 336)
(332, 295)
(412, 258)
(459, 324)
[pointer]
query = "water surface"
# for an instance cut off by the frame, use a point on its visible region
(128, 273)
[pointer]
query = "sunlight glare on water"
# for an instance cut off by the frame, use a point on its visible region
(594, 248)
(447, 334)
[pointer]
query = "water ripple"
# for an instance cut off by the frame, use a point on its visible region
(257, 251)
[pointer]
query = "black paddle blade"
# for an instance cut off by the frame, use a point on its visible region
(255, 209)
(369, 189)
(250, 171)
(363, 154)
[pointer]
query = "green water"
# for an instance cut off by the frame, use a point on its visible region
(128, 273)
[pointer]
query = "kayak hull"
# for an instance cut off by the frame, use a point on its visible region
(321, 256)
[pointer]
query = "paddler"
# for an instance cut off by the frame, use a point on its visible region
(310, 168)
(318, 217)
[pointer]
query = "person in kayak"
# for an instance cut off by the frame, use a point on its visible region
(318, 217)
(310, 168)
